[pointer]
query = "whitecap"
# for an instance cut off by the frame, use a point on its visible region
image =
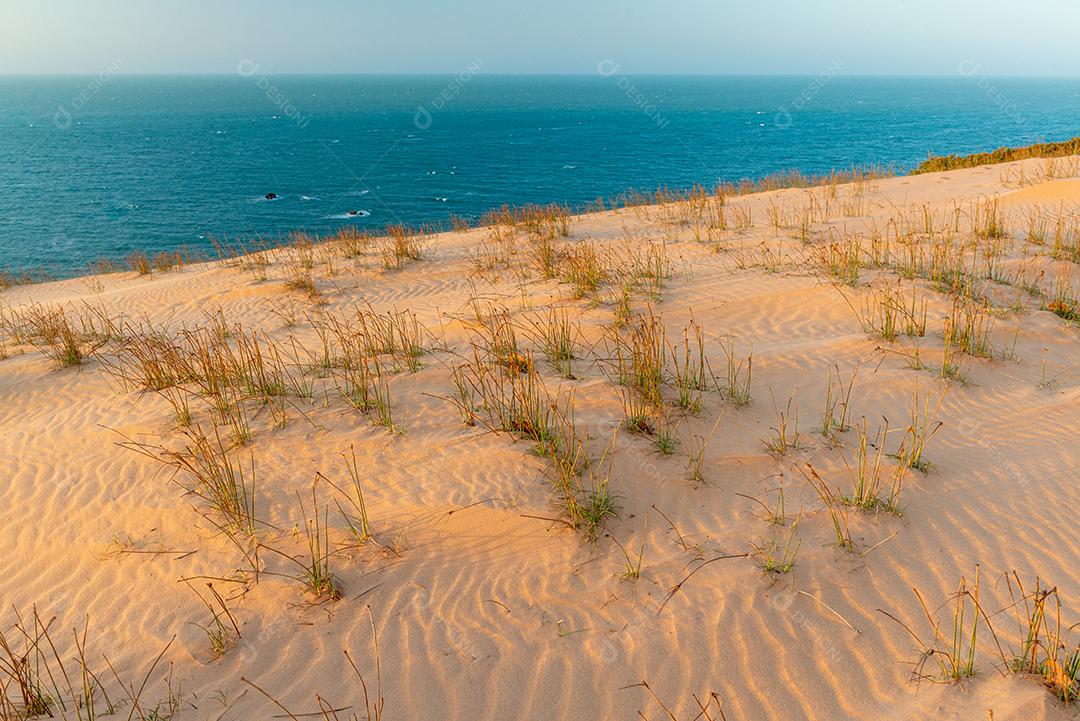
(349, 216)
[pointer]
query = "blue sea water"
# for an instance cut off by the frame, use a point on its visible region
(95, 167)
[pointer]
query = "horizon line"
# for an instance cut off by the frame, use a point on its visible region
(222, 74)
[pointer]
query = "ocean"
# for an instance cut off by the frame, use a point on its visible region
(101, 166)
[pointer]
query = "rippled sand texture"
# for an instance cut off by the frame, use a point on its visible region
(486, 605)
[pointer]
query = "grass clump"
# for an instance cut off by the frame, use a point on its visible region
(922, 427)
(1046, 650)
(777, 555)
(868, 480)
(66, 340)
(837, 402)
(222, 630)
(785, 434)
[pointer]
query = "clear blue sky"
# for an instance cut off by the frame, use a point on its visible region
(1015, 37)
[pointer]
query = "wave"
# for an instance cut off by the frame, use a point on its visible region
(350, 216)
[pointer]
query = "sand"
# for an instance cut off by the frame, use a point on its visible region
(484, 609)
(1051, 194)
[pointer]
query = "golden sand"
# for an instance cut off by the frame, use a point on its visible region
(486, 604)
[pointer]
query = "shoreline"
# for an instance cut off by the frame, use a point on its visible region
(782, 180)
(787, 179)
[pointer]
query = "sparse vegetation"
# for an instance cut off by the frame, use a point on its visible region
(534, 339)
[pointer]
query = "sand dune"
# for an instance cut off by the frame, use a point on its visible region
(485, 603)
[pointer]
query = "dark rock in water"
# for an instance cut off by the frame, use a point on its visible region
(353, 212)
(271, 196)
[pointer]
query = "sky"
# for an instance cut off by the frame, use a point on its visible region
(804, 37)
